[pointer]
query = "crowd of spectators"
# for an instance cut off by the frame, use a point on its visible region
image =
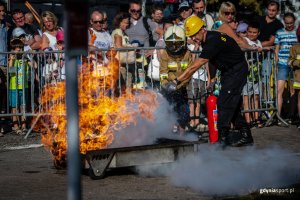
(131, 29)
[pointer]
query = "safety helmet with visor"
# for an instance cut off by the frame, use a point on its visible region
(175, 40)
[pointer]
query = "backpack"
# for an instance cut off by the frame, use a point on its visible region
(147, 27)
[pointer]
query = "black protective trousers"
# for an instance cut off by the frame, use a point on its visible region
(229, 101)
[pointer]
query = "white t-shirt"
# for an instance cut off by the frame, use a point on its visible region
(256, 43)
(208, 21)
(52, 40)
(103, 39)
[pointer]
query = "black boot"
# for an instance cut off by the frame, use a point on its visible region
(223, 136)
(246, 138)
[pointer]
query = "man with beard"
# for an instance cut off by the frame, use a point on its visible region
(225, 53)
(199, 8)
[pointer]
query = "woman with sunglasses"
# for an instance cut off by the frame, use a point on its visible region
(227, 13)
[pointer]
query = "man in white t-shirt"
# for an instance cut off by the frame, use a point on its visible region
(98, 38)
(199, 8)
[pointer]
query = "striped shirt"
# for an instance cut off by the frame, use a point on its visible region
(285, 39)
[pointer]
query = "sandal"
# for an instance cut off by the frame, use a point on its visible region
(24, 130)
(19, 131)
(259, 123)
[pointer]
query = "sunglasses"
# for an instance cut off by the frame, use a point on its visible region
(100, 22)
(229, 13)
(184, 9)
(135, 11)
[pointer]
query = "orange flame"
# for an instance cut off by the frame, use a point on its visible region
(100, 115)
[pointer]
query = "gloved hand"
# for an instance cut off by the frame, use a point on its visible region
(210, 87)
(170, 87)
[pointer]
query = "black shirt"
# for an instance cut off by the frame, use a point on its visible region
(30, 31)
(268, 29)
(222, 50)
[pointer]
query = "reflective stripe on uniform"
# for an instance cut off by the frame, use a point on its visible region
(164, 76)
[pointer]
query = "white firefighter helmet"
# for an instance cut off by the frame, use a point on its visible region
(17, 32)
(175, 40)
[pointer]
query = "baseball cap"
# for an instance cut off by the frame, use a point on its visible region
(17, 32)
(60, 36)
(184, 4)
(242, 27)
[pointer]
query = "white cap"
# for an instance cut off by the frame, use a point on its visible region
(17, 32)
(184, 4)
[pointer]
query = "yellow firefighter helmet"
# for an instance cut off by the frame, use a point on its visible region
(192, 25)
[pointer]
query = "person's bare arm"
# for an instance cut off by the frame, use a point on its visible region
(269, 42)
(159, 31)
(192, 69)
(276, 53)
(45, 42)
(118, 41)
(36, 45)
(225, 28)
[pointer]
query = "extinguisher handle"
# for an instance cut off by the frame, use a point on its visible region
(210, 87)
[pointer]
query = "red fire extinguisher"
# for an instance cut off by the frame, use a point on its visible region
(212, 118)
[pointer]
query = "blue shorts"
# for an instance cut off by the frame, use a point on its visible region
(284, 72)
(16, 97)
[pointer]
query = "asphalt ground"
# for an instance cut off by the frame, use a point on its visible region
(27, 172)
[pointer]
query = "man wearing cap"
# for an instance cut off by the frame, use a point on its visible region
(242, 29)
(223, 52)
(185, 11)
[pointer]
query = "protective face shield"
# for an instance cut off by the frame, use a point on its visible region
(175, 40)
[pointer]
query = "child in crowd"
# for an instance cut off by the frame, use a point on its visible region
(251, 89)
(195, 91)
(60, 45)
(242, 29)
(294, 62)
(50, 70)
(18, 84)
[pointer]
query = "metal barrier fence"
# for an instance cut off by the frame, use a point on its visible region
(30, 75)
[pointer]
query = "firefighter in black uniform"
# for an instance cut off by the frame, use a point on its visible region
(222, 51)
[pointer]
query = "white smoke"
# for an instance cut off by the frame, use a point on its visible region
(233, 171)
(146, 132)
(212, 170)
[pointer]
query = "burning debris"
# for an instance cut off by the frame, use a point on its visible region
(101, 113)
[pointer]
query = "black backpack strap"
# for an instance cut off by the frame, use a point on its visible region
(147, 27)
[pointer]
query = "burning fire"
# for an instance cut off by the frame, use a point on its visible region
(100, 114)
